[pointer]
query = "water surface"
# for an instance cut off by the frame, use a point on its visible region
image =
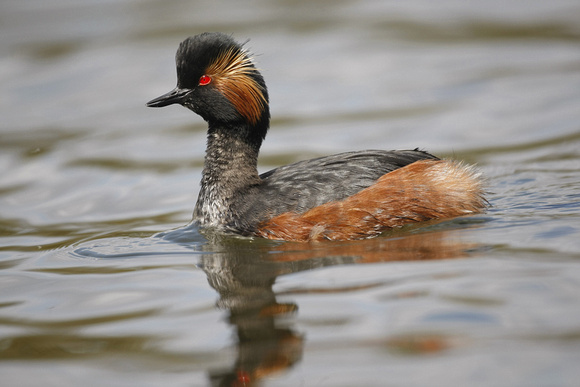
(97, 290)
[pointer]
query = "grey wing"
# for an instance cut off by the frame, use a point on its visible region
(306, 184)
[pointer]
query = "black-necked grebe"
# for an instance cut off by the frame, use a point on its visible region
(349, 195)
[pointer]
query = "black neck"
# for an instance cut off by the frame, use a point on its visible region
(230, 166)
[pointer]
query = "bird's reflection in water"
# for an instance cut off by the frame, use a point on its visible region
(265, 344)
(244, 271)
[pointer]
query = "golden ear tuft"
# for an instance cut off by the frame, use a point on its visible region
(232, 76)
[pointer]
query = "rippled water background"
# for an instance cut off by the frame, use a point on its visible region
(89, 296)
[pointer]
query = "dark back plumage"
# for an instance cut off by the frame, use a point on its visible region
(306, 184)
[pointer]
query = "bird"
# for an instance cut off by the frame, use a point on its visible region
(347, 196)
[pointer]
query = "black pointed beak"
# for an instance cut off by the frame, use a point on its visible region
(176, 95)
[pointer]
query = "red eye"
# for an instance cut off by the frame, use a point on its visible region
(204, 80)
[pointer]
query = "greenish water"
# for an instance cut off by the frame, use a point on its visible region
(95, 288)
